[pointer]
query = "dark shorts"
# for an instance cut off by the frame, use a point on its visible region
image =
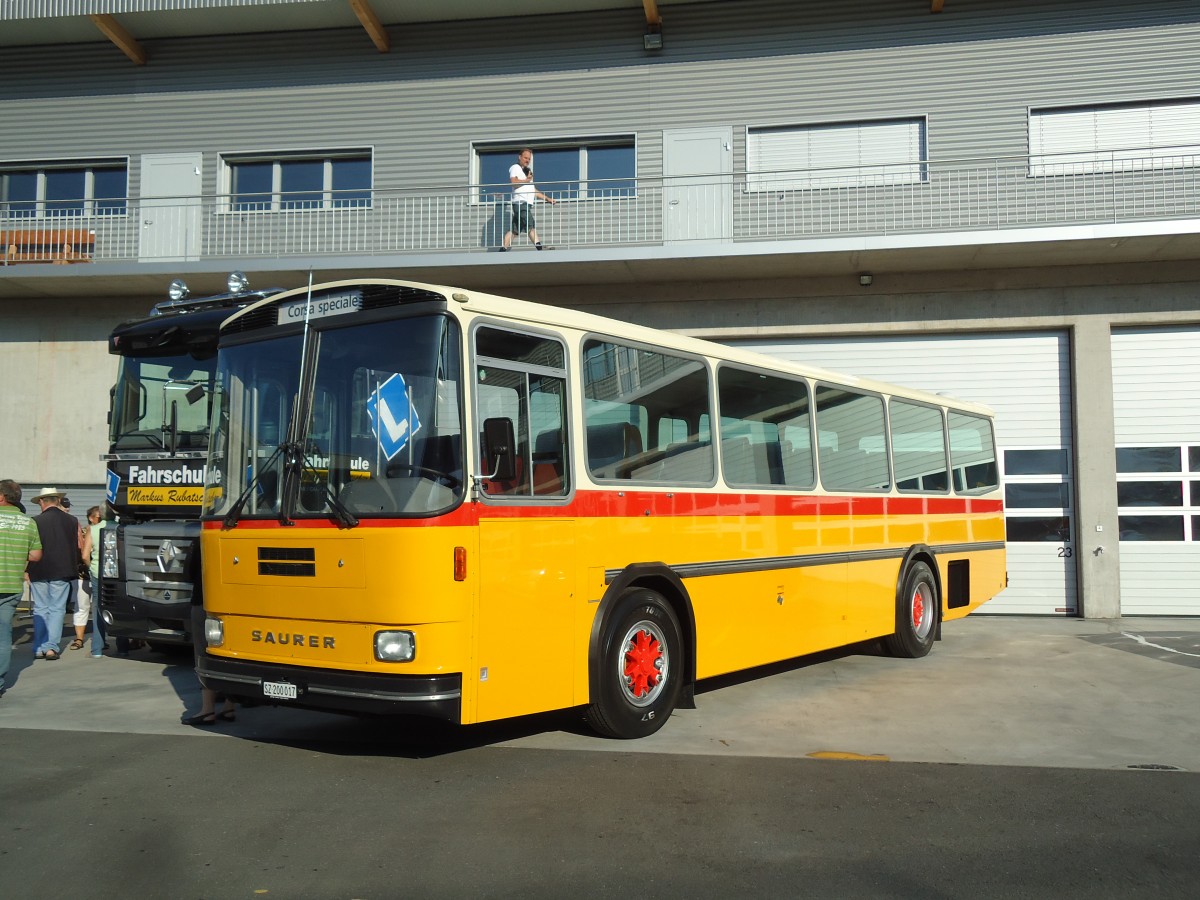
(522, 218)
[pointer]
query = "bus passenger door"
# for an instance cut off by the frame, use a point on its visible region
(528, 571)
(526, 610)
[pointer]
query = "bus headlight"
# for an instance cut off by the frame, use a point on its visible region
(214, 632)
(395, 646)
(108, 553)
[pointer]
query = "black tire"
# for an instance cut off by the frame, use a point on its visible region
(917, 606)
(641, 667)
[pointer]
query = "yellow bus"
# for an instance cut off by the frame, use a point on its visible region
(435, 501)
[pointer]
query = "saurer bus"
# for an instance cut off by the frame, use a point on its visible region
(433, 501)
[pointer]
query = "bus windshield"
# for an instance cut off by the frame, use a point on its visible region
(373, 427)
(161, 402)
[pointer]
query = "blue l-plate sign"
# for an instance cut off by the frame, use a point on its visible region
(393, 417)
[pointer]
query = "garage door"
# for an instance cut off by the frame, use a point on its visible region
(1025, 378)
(1156, 405)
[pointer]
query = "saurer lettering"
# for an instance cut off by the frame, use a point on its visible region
(316, 641)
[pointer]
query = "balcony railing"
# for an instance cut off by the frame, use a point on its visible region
(963, 195)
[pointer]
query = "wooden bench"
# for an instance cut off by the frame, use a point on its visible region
(60, 246)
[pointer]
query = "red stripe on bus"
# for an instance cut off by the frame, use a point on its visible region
(657, 504)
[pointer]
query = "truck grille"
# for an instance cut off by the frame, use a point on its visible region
(156, 560)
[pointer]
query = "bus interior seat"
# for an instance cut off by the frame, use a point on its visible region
(854, 470)
(919, 470)
(548, 452)
(681, 461)
(610, 444)
(748, 462)
(797, 463)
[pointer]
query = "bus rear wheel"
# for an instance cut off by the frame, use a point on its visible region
(641, 667)
(916, 614)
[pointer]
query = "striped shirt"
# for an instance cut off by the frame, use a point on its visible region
(18, 535)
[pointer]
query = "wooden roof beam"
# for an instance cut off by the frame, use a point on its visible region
(652, 15)
(935, 6)
(115, 32)
(370, 22)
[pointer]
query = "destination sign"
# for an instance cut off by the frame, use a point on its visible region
(319, 307)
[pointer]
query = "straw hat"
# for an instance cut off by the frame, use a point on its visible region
(49, 493)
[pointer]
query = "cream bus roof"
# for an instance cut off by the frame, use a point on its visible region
(477, 303)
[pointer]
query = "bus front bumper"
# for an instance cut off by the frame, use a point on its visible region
(438, 697)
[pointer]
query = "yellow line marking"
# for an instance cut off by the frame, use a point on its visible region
(843, 754)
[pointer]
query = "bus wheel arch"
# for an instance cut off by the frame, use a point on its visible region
(918, 605)
(645, 619)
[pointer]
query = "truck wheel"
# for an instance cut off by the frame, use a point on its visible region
(641, 667)
(916, 614)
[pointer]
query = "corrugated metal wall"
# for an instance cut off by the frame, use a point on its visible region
(1156, 403)
(973, 70)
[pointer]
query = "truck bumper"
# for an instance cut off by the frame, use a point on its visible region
(168, 623)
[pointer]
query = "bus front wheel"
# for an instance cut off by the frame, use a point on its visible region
(916, 614)
(641, 662)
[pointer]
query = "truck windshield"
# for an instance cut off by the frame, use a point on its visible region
(161, 402)
(378, 423)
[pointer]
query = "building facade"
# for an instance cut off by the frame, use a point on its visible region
(994, 199)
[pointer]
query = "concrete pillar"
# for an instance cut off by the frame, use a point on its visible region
(1097, 550)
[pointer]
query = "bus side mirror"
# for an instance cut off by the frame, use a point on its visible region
(499, 449)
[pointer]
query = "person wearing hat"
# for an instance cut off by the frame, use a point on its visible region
(20, 544)
(50, 577)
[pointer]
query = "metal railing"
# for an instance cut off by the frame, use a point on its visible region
(911, 198)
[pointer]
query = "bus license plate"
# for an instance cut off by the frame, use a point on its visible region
(280, 690)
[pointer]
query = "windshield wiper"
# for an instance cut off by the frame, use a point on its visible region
(341, 514)
(295, 464)
(231, 517)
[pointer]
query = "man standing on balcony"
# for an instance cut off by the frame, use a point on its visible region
(525, 193)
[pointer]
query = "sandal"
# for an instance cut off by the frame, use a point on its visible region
(51, 654)
(77, 644)
(201, 720)
(227, 716)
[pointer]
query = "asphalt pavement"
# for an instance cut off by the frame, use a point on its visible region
(995, 691)
(1023, 758)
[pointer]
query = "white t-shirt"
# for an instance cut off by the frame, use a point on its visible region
(522, 193)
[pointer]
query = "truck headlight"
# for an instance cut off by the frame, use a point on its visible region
(108, 553)
(395, 646)
(214, 632)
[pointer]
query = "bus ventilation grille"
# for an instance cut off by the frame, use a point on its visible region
(260, 318)
(377, 296)
(296, 562)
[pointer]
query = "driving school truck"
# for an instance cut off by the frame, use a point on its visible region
(158, 447)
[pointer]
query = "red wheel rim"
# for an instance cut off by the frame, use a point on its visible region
(643, 664)
(921, 608)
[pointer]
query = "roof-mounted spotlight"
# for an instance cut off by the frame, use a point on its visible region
(652, 39)
(237, 282)
(177, 289)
